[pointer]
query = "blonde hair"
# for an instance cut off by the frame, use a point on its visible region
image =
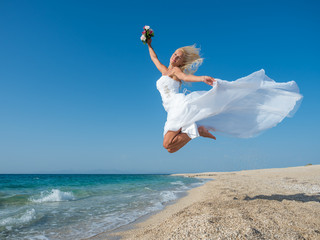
(191, 59)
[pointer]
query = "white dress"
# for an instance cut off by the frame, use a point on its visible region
(242, 108)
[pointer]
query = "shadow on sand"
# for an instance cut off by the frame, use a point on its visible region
(301, 197)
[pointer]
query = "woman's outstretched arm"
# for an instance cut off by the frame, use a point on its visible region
(192, 78)
(155, 59)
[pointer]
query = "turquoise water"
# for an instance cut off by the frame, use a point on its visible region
(80, 206)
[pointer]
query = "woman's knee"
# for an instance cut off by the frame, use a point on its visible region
(167, 141)
(171, 150)
(169, 137)
(166, 144)
(169, 146)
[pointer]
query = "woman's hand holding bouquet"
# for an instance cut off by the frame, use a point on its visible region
(147, 34)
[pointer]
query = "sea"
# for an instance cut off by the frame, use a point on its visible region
(78, 206)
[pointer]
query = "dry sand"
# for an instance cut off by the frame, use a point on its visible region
(254, 204)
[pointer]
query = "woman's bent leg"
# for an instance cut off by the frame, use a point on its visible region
(174, 140)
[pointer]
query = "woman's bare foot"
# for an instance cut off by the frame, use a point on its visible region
(205, 133)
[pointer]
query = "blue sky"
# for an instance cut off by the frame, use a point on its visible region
(78, 94)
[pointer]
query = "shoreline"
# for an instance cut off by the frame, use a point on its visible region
(115, 234)
(275, 203)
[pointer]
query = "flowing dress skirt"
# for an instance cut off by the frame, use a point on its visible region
(242, 108)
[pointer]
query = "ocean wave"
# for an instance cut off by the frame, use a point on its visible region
(193, 185)
(177, 183)
(20, 219)
(85, 205)
(55, 195)
(167, 196)
(38, 237)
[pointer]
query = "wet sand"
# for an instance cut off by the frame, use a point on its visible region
(255, 204)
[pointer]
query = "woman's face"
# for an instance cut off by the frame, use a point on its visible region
(177, 58)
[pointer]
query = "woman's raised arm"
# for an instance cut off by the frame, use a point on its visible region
(162, 68)
(192, 78)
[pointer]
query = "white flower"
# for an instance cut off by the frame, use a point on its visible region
(143, 38)
(146, 27)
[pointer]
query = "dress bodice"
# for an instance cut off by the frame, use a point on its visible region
(168, 87)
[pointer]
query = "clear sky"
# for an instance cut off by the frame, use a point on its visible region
(78, 94)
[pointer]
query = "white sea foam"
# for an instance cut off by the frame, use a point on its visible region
(180, 185)
(39, 237)
(155, 207)
(177, 183)
(55, 195)
(19, 219)
(167, 196)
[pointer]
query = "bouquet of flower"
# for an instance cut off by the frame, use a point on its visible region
(146, 34)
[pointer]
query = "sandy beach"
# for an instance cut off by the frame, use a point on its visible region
(255, 204)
